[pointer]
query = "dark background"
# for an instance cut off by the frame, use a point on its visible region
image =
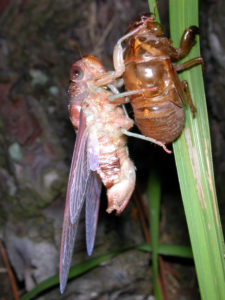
(39, 40)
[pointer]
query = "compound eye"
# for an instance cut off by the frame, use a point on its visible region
(76, 73)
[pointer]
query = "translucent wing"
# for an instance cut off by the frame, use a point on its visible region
(79, 172)
(78, 178)
(92, 208)
(83, 183)
(67, 245)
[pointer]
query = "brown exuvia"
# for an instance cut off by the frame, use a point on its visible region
(159, 113)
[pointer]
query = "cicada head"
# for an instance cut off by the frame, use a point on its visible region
(81, 72)
(146, 17)
(85, 69)
(151, 26)
(78, 77)
(93, 66)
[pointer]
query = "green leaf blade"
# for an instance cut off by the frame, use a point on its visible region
(194, 166)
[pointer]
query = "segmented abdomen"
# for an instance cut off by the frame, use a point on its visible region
(161, 120)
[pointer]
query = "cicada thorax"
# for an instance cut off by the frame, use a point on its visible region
(159, 113)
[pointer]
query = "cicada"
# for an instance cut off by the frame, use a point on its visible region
(100, 152)
(100, 156)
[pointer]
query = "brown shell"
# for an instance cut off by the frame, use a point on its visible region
(158, 113)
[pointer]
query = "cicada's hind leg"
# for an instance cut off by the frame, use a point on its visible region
(146, 138)
(188, 98)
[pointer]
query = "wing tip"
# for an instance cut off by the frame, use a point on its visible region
(90, 249)
(62, 285)
(63, 274)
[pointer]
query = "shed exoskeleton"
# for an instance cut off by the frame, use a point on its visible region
(150, 77)
(148, 59)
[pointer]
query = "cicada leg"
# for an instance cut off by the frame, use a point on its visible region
(188, 98)
(117, 95)
(146, 138)
(130, 93)
(118, 60)
(182, 87)
(189, 64)
(122, 98)
(186, 43)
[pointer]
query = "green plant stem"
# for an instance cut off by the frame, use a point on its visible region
(154, 199)
(153, 8)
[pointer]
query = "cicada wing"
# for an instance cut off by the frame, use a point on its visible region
(92, 207)
(79, 171)
(78, 178)
(67, 246)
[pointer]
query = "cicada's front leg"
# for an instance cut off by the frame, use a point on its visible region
(186, 43)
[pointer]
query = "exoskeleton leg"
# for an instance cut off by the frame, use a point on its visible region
(188, 98)
(186, 43)
(188, 64)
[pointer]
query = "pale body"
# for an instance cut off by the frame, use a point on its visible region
(104, 120)
(100, 156)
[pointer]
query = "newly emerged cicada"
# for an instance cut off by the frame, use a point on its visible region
(100, 155)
